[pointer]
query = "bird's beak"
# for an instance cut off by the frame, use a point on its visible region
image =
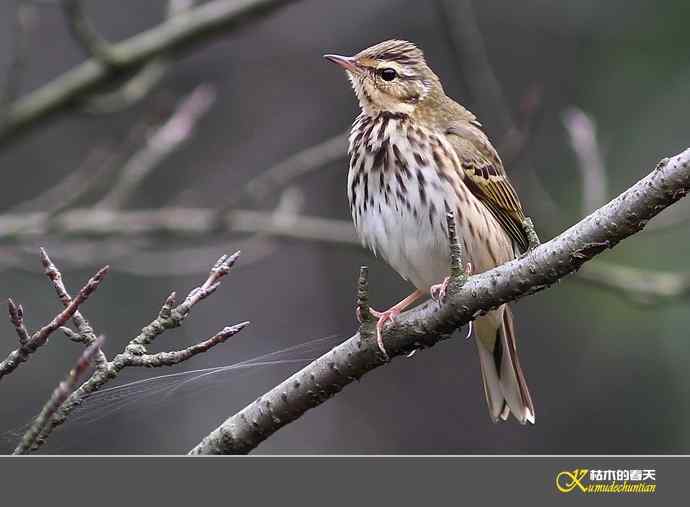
(346, 62)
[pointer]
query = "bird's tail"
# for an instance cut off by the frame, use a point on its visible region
(504, 383)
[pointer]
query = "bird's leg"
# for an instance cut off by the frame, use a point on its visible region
(439, 290)
(390, 315)
(531, 233)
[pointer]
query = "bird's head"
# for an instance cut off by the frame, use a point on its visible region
(391, 76)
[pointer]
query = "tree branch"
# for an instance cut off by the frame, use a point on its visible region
(60, 394)
(23, 23)
(40, 337)
(168, 138)
(639, 286)
(583, 140)
(429, 323)
(179, 33)
(185, 222)
(136, 353)
(86, 34)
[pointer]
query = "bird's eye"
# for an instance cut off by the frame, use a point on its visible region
(388, 74)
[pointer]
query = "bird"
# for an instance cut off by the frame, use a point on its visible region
(417, 155)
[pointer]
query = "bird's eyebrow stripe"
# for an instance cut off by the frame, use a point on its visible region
(395, 56)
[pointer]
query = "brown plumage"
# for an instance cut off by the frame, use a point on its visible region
(415, 154)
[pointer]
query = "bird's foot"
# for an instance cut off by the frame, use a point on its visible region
(382, 319)
(439, 291)
(388, 317)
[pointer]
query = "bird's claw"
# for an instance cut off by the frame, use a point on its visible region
(382, 319)
(439, 291)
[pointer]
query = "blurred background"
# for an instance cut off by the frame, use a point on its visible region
(581, 98)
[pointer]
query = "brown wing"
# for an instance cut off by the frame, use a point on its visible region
(487, 180)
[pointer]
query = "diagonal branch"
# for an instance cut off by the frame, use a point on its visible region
(22, 26)
(189, 28)
(168, 138)
(60, 394)
(84, 32)
(424, 326)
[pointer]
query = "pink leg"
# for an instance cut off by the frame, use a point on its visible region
(438, 291)
(390, 315)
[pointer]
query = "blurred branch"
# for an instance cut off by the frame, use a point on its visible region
(181, 32)
(429, 323)
(136, 353)
(639, 286)
(132, 91)
(647, 288)
(584, 142)
(162, 143)
(40, 337)
(87, 36)
(60, 394)
(296, 166)
(70, 189)
(142, 82)
(467, 42)
(23, 21)
(189, 222)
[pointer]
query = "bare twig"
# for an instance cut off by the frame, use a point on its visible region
(296, 166)
(70, 189)
(142, 82)
(583, 139)
(467, 43)
(184, 222)
(87, 36)
(171, 315)
(427, 324)
(168, 138)
(136, 88)
(40, 337)
(23, 21)
(86, 333)
(182, 32)
(462, 30)
(17, 319)
(639, 286)
(60, 394)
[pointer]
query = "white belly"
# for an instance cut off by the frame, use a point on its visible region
(403, 217)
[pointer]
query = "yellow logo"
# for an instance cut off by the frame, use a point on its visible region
(606, 481)
(567, 481)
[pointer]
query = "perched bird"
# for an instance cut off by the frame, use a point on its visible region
(415, 155)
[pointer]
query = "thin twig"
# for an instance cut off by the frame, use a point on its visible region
(639, 286)
(17, 319)
(40, 337)
(467, 42)
(296, 166)
(142, 82)
(165, 141)
(87, 335)
(21, 28)
(60, 394)
(582, 133)
(87, 36)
